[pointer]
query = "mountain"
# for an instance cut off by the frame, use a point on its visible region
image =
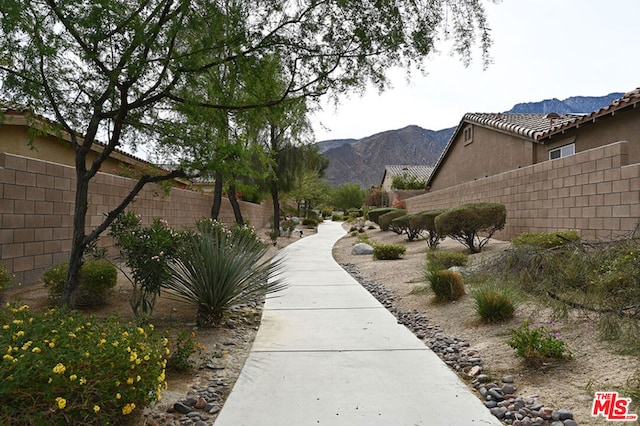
(572, 105)
(363, 160)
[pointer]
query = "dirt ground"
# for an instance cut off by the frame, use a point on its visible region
(569, 385)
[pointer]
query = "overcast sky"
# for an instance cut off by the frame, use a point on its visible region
(542, 49)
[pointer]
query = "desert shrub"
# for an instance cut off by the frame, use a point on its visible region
(445, 259)
(494, 303)
(426, 221)
(405, 224)
(181, 348)
(400, 224)
(545, 239)
(337, 217)
(288, 226)
(374, 214)
(146, 251)
(60, 368)
(446, 285)
(97, 279)
(377, 197)
(362, 238)
(218, 268)
(536, 344)
(310, 223)
(385, 220)
(468, 222)
(327, 212)
(388, 251)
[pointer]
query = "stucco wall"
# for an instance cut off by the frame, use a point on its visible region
(596, 192)
(36, 211)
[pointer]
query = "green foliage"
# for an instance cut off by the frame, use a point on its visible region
(362, 237)
(445, 259)
(426, 221)
(147, 252)
(446, 285)
(62, 368)
(288, 226)
(5, 277)
(377, 197)
(388, 251)
(348, 196)
(385, 220)
(407, 181)
(218, 268)
(494, 303)
(537, 344)
(336, 217)
(374, 214)
(542, 240)
(97, 279)
(182, 346)
(468, 222)
(309, 223)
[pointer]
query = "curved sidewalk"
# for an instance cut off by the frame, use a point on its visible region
(328, 353)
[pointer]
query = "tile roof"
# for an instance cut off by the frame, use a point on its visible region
(530, 126)
(420, 172)
(628, 100)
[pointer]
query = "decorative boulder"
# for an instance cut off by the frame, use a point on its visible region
(362, 248)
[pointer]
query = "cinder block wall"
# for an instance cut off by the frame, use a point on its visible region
(595, 192)
(37, 199)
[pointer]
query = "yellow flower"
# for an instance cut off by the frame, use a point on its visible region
(73, 377)
(61, 403)
(102, 342)
(96, 408)
(52, 345)
(127, 409)
(5, 327)
(59, 368)
(26, 345)
(87, 354)
(140, 330)
(83, 380)
(138, 378)
(23, 308)
(50, 380)
(133, 356)
(118, 396)
(36, 350)
(130, 381)
(8, 357)
(146, 357)
(20, 333)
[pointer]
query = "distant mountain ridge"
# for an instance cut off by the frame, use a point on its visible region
(363, 160)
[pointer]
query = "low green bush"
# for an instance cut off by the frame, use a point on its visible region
(337, 217)
(472, 224)
(493, 303)
(409, 224)
(309, 223)
(426, 222)
(446, 285)
(388, 251)
(542, 240)
(385, 220)
(97, 279)
(537, 344)
(61, 367)
(182, 346)
(445, 259)
(374, 214)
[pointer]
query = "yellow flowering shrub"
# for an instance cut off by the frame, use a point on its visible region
(69, 369)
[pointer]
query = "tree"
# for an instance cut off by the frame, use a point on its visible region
(347, 196)
(111, 69)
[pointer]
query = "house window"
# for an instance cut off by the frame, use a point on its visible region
(562, 152)
(468, 135)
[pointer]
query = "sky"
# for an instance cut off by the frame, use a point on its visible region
(542, 49)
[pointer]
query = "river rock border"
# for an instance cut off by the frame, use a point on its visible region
(499, 397)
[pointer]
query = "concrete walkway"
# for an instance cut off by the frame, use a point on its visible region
(328, 353)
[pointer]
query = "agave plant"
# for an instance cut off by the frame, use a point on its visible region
(218, 268)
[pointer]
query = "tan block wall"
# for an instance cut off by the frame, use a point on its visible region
(595, 192)
(36, 211)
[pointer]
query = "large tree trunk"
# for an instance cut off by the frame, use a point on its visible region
(236, 206)
(78, 245)
(217, 197)
(276, 206)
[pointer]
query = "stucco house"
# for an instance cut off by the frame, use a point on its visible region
(419, 172)
(552, 172)
(485, 144)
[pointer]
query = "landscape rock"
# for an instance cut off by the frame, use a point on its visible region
(361, 249)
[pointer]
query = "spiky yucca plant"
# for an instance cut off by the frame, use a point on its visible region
(218, 268)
